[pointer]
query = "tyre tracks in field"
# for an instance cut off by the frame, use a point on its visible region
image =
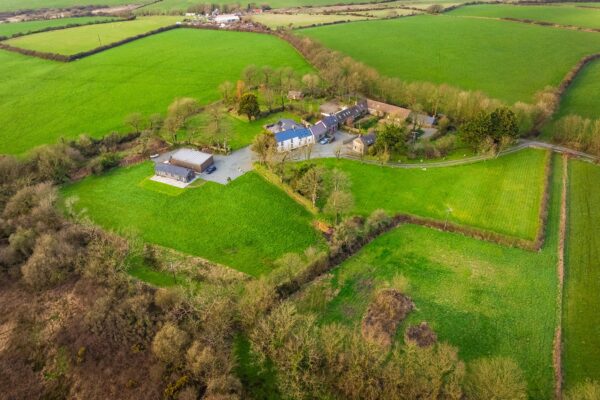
(560, 271)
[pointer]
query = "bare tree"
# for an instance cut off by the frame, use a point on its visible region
(311, 184)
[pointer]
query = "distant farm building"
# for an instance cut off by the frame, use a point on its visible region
(226, 18)
(283, 125)
(295, 95)
(362, 143)
(191, 159)
(294, 139)
(175, 172)
(388, 111)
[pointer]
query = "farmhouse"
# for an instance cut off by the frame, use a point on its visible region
(294, 139)
(191, 159)
(180, 174)
(388, 111)
(349, 115)
(326, 126)
(362, 143)
(283, 125)
(226, 18)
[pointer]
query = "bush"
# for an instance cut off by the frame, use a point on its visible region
(53, 260)
(589, 390)
(169, 342)
(495, 378)
(104, 162)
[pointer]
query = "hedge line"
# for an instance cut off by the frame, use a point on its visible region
(545, 23)
(68, 26)
(77, 56)
(275, 180)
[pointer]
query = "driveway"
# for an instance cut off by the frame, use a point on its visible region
(232, 166)
(327, 150)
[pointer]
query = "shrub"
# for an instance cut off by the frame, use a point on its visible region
(169, 342)
(386, 311)
(495, 378)
(589, 390)
(104, 162)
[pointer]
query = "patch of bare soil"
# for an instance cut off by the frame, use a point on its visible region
(386, 311)
(421, 334)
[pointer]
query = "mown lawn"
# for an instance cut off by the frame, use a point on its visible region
(486, 299)
(506, 60)
(581, 322)
(34, 26)
(564, 14)
(501, 195)
(88, 37)
(246, 225)
(242, 131)
(43, 100)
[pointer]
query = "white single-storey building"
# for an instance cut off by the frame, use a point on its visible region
(226, 18)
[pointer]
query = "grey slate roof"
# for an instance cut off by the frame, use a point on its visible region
(173, 170)
(292, 133)
(368, 139)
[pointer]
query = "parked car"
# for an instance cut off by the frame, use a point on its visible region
(210, 169)
(327, 140)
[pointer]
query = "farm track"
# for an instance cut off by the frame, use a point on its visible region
(523, 144)
(557, 345)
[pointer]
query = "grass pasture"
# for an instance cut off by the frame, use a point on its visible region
(506, 60)
(299, 20)
(43, 100)
(581, 320)
(242, 130)
(562, 14)
(582, 96)
(15, 5)
(247, 224)
(84, 38)
(11, 29)
(486, 299)
(502, 195)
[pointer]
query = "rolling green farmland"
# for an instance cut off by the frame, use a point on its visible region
(299, 20)
(486, 299)
(246, 224)
(83, 38)
(14, 5)
(582, 278)
(506, 60)
(44, 100)
(558, 14)
(34, 26)
(582, 97)
(501, 195)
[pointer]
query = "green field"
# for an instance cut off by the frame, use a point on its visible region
(582, 97)
(84, 38)
(299, 20)
(558, 14)
(486, 299)
(34, 26)
(501, 195)
(14, 5)
(582, 279)
(242, 131)
(247, 224)
(43, 100)
(506, 60)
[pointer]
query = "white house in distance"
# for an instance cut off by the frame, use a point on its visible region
(226, 18)
(293, 139)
